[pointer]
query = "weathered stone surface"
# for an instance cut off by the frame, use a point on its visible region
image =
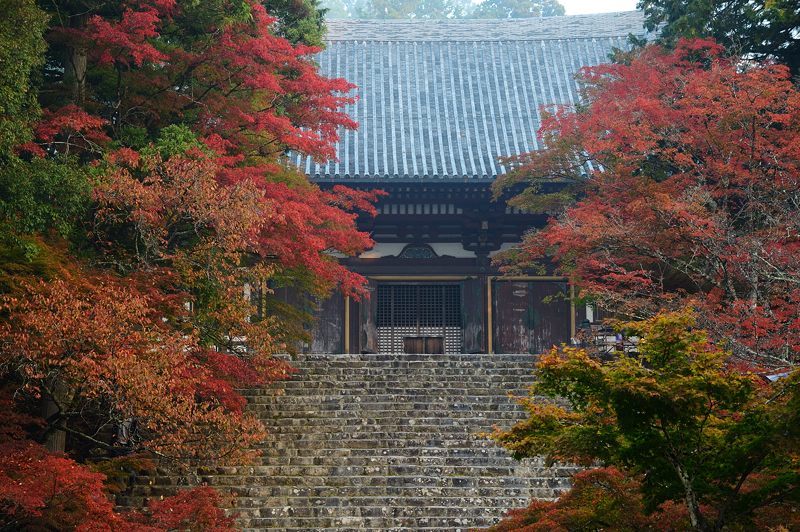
(383, 442)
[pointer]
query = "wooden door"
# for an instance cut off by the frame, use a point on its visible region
(427, 345)
(530, 316)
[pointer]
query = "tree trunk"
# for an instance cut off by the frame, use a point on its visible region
(75, 64)
(55, 438)
(692, 504)
(75, 74)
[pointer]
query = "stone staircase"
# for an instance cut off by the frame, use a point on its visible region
(385, 442)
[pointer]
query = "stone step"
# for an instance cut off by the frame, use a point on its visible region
(381, 442)
(398, 443)
(391, 470)
(283, 450)
(264, 496)
(391, 460)
(390, 474)
(354, 422)
(385, 437)
(424, 461)
(287, 426)
(436, 403)
(474, 392)
(300, 495)
(432, 415)
(389, 507)
(421, 403)
(473, 423)
(391, 524)
(256, 490)
(328, 376)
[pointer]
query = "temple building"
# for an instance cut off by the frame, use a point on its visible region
(439, 104)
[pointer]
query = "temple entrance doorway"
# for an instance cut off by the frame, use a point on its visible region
(419, 318)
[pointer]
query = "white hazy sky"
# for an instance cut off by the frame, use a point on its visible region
(578, 7)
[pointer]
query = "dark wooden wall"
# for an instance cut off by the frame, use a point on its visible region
(328, 330)
(324, 331)
(529, 316)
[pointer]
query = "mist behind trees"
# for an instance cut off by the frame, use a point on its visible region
(440, 9)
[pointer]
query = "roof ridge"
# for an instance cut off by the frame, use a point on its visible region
(478, 41)
(618, 24)
(466, 20)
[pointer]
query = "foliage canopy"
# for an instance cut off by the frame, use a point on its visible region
(144, 192)
(760, 29)
(689, 430)
(675, 185)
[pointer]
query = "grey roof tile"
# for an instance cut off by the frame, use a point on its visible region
(444, 99)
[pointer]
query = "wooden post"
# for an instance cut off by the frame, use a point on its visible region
(572, 311)
(489, 325)
(347, 324)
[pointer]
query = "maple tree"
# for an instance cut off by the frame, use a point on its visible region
(676, 185)
(104, 356)
(600, 499)
(146, 195)
(41, 490)
(692, 441)
(242, 92)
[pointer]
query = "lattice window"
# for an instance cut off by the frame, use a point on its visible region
(417, 311)
(417, 251)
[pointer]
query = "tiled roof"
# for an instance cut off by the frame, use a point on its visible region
(442, 100)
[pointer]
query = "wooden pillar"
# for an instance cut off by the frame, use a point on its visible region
(572, 311)
(346, 331)
(368, 332)
(489, 324)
